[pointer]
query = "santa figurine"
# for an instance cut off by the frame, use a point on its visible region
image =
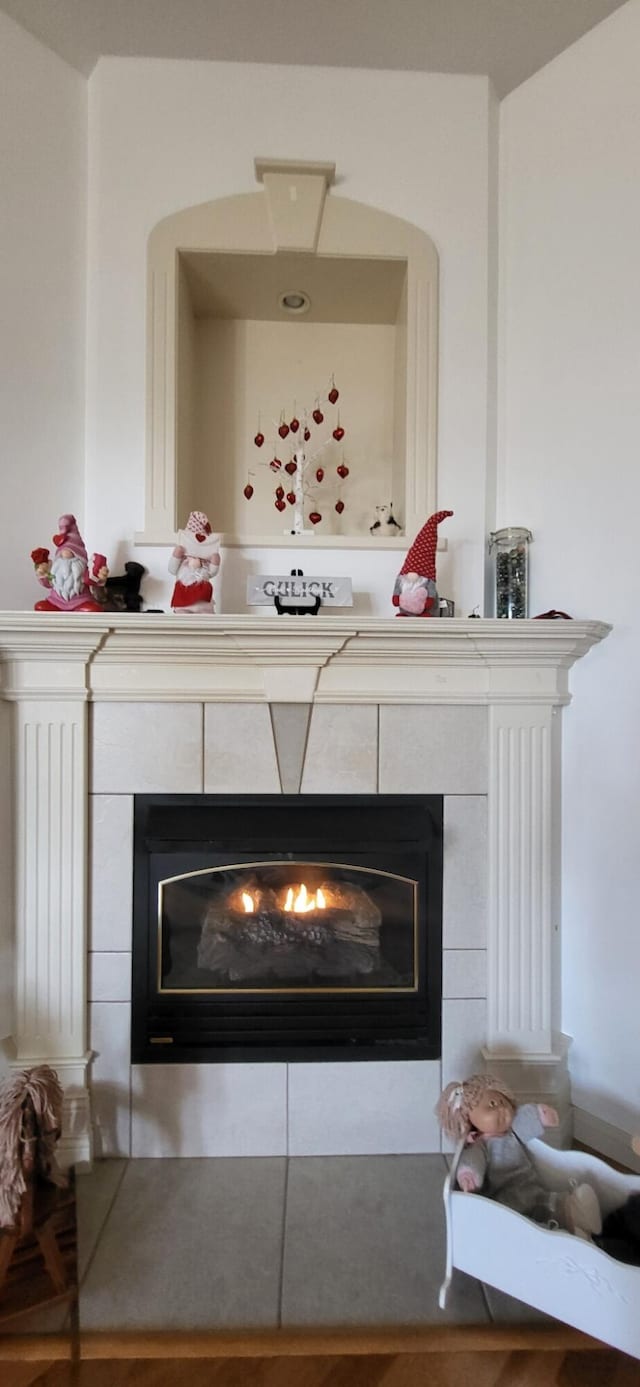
(415, 592)
(71, 586)
(195, 561)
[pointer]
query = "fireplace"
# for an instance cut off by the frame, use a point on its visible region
(296, 927)
(101, 709)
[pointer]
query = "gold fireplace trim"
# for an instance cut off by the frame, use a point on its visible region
(266, 991)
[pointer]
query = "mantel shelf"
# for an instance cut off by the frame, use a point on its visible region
(304, 544)
(333, 659)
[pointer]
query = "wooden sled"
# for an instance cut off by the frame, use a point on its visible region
(560, 1274)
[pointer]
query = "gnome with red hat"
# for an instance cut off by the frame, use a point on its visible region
(195, 561)
(415, 593)
(70, 585)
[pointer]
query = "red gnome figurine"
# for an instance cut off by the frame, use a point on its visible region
(194, 562)
(414, 593)
(70, 585)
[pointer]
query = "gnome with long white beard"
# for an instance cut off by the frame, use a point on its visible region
(194, 562)
(70, 585)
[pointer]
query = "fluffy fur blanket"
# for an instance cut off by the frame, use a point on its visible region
(39, 1086)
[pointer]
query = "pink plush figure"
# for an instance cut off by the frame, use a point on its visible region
(194, 561)
(415, 595)
(70, 586)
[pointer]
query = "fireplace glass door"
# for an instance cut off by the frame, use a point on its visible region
(293, 926)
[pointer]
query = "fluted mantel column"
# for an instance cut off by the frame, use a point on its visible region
(45, 677)
(522, 820)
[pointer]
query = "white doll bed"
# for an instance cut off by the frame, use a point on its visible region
(562, 1275)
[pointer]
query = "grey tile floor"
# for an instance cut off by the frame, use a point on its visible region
(263, 1243)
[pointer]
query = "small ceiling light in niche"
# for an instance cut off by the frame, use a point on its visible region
(296, 302)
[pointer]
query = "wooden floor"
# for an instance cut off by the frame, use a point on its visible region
(460, 1357)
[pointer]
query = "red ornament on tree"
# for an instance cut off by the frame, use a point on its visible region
(303, 467)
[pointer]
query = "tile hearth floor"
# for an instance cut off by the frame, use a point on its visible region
(263, 1243)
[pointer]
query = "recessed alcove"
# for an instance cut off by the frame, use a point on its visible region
(249, 358)
(226, 359)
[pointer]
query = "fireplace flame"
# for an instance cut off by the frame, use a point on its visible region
(247, 902)
(305, 900)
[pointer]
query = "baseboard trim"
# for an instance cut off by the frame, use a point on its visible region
(604, 1138)
(281, 1343)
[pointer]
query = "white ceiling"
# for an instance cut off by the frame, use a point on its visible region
(507, 40)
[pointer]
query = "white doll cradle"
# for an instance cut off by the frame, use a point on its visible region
(560, 1274)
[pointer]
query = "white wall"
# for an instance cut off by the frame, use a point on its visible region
(166, 135)
(570, 469)
(43, 106)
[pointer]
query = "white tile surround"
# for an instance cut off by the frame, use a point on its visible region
(105, 708)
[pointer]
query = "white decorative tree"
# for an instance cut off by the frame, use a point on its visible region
(303, 468)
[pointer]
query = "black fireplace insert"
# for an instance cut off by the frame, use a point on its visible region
(291, 927)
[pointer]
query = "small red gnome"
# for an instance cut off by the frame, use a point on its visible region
(194, 562)
(415, 593)
(71, 587)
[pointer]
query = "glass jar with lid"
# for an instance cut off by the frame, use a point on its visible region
(510, 549)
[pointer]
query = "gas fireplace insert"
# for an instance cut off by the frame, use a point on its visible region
(291, 927)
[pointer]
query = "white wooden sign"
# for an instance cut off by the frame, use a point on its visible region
(333, 592)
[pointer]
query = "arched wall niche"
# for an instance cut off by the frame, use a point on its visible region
(223, 359)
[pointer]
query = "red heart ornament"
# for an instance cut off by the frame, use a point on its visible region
(275, 464)
(319, 473)
(307, 435)
(294, 425)
(339, 507)
(57, 540)
(280, 505)
(333, 394)
(315, 517)
(318, 416)
(338, 434)
(279, 492)
(291, 467)
(248, 491)
(259, 440)
(291, 498)
(342, 470)
(283, 430)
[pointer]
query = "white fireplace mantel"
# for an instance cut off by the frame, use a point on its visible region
(326, 659)
(52, 667)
